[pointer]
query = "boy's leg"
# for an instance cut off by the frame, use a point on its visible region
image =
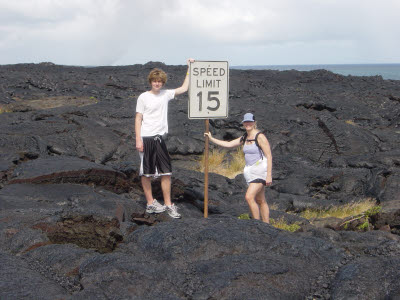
(146, 184)
(166, 189)
(164, 167)
(147, 167)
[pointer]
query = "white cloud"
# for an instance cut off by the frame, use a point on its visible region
(103, 32)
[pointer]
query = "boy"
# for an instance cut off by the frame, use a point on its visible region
(151, 124)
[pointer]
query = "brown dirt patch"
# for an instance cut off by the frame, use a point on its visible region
(47, 103)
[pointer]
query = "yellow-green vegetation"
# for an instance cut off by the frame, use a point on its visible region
(4, 110)
(341, 212)
(365, 226)
(244, 217)
(373, 211)
(223, 163)
(279, 223)
(237, 162)
(282, 224)
(350, 122)
(94, 99)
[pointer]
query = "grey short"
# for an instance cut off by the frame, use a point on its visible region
(154, 160)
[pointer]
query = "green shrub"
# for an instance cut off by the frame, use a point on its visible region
(282, 224)
(364, 226)
(244, 217)
(342, 211)
(373, 211)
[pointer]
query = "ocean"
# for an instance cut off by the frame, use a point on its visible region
(387, 71)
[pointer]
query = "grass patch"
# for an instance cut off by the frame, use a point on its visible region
(350, 122)
(364, 226)
(223, 163)
(282, 224)
(279, 223)
(4, 110)
(237, 162)
(366, 216)
(341, 212)
(47, 103)
(244, 217)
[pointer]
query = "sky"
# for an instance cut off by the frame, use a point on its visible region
(244, 33)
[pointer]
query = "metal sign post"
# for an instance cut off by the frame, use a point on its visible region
(208, 99)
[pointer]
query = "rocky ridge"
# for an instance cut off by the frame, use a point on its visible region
(72, 211)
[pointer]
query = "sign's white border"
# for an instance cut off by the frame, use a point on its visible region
(225, 115)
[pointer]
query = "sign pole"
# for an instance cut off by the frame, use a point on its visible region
(206, 171)
(208, 99)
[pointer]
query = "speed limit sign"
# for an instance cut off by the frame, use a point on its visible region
(208, 89)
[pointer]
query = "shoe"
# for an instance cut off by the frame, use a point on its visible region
(155, 207)
(173, 211)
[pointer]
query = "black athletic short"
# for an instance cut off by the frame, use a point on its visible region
(155, 160)
(259, 181)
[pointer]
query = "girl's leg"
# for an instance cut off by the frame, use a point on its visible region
(263, 206)
(250, 197)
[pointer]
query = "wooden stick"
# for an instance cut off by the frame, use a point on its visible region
(206, 172)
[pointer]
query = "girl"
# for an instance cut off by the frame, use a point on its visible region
(258, 169)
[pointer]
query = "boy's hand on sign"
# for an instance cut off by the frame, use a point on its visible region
(189, 60)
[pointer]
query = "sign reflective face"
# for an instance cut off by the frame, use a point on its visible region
(208, 89)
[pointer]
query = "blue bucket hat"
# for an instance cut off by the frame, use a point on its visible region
(249, 117)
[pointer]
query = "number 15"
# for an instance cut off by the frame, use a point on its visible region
(211, 97)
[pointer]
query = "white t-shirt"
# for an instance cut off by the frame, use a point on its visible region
(154, 109)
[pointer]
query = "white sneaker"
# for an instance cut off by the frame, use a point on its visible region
(173, 211)
(155, 207)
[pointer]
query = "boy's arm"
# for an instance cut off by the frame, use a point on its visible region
(138, 128)
(185, 84)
